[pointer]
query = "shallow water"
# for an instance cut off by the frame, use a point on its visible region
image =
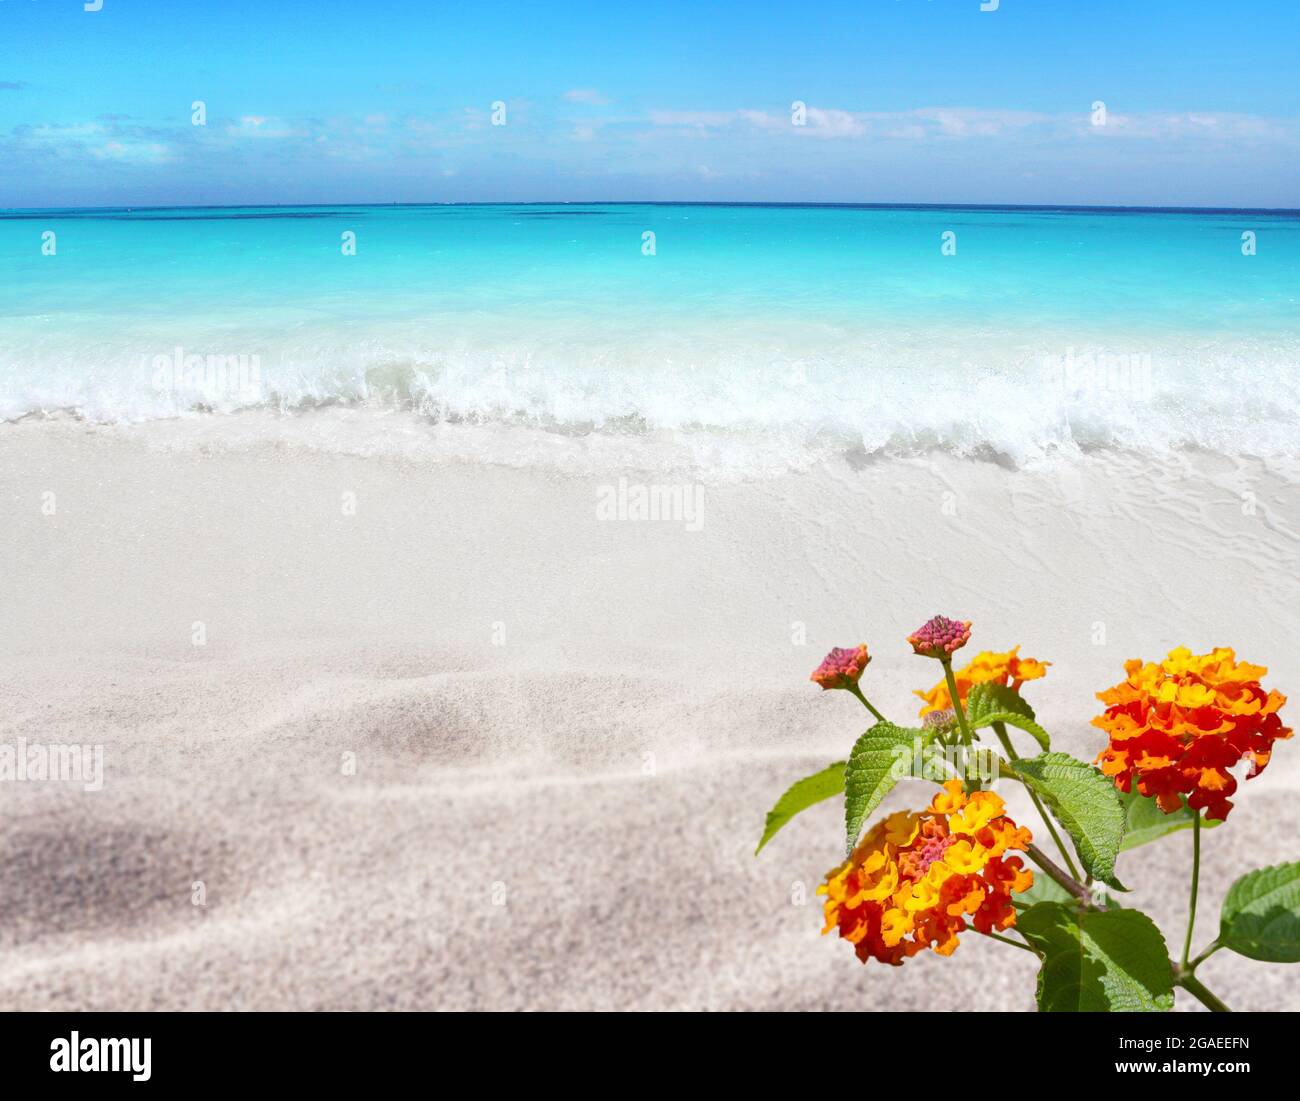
(793, 328)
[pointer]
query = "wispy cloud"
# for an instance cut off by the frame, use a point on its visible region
(1212, 125)
(925, 124)
(150, 152)
(262, 128)
(700, 120)
(586, 95)
(807, 121)
(746, 152)
(96, 141)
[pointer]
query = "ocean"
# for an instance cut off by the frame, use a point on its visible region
(1028, 334)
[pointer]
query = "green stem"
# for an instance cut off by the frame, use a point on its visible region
(1008, 940)
(866, 702)
(1001, 731)
(959, 765)
(1204, 956)
(956, 699)
(1196, 876)
(1197, 989)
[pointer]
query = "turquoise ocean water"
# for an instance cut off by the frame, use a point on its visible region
(1023, 332)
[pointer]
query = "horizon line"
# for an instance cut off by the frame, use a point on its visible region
(1131, 208)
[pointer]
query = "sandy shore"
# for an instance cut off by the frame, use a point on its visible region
(453, 738)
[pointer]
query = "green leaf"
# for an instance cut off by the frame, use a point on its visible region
(800, 796)
(1045, 889)
(1028, 725)
(1261, 915)
(1111, 961)
(876, 764)
(1144, 821)
(987, 698)
(1087, 805)
(990, 703)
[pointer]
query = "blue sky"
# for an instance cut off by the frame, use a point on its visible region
(907, 101)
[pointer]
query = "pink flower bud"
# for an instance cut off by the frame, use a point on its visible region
(940, 637)
(841, 668)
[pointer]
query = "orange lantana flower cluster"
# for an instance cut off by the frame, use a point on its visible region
(1005, 669)
(1177, 727)
(915, 878)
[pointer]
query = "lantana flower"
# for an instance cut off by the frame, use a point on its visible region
(1177, 727)
(943, 721)
(939, 637)
(1008, 669)
(841, 668)
(915, 879)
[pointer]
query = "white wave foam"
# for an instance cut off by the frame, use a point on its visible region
(767, 394)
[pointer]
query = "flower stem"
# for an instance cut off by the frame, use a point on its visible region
(1196, 876)
(1077, 889)
(1197, 989)
(1008, 940)
(1000, 730)
(866, 702)
(956, 699)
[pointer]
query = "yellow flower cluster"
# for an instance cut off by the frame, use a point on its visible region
(915, 878)
(1007, 669)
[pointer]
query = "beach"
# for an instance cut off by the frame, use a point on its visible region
(430, 726)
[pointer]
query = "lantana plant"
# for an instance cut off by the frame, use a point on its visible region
(916, 880)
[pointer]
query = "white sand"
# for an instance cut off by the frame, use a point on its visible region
(565, 819)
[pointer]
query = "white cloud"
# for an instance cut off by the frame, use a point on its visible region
(138, 152)
(1217, 125)
(699, 119)
(260, 126)
(925, 124)
(99, 141)
(586, 95)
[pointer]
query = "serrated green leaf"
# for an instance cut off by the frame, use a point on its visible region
(874, 768)
(997, 703)
(1086, 804)
(1028, 725)
(988, 698)
(1111, 961)
(1261, 915)
(1144, 821)
(801, 795)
